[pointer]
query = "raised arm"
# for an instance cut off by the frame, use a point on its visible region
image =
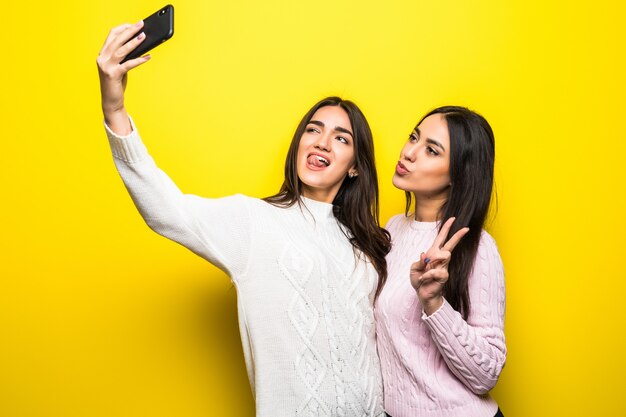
(474, 350)
(215, 229)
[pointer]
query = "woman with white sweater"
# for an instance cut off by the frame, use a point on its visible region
(306, 262)
(440, 316)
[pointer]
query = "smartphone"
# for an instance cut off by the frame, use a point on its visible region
(158, 27)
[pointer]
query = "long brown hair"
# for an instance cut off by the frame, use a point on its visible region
(356, 204)
(472, 155)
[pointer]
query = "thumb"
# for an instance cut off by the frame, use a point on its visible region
(421, 264)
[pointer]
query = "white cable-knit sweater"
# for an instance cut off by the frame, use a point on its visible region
(304, 298)
(439, 365)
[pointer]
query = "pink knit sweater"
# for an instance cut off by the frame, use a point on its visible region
(439, 365)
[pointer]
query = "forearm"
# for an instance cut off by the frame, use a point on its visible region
(155, 195)
(475, 355)
(117, 120)
(113, 109)
(215, 229)
(432, 305)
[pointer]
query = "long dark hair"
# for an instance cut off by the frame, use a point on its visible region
(356, 204)
(472, 154)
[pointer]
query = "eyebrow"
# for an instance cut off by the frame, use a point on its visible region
(429, 140)
(337, 128)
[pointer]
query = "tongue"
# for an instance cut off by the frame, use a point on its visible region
(314, 160)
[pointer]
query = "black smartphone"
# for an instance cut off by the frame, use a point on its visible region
(158, 27)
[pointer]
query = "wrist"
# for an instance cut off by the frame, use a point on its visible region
(432, 305)
(112, 107)
(118, 121)
(112, 95)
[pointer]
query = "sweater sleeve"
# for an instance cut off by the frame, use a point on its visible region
(475, 350)
(218, 230)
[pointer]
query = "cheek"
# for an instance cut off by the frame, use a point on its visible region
(434, 175)
(303, 147)
(441, 168)
(347, 157)
(442, 173)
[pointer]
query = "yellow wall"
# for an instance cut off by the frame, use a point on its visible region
(101, 317)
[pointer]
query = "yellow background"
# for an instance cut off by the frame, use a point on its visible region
(101, 317)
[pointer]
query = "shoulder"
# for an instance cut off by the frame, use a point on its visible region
(233, 200)
(242, 199)
(397, 222)
(487, 243)
(488, 255)
(249, 201)
(258, 206)
(233, 205)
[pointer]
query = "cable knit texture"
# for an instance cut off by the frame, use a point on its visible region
(439, 365)
(304, 297)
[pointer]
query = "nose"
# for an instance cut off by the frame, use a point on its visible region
(409, 152)
(323, 142)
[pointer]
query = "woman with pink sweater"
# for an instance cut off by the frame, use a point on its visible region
(440, 315)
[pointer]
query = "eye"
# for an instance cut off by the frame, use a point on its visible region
(431, 151)
(342, 140)
(312, 130)
(413, 137)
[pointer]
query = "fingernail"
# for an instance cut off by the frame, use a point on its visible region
(426, 260)
(141, 36)
(139, 23)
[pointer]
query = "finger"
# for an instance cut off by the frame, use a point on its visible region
(438, 258)
(455, 239)
(418, 266)
(443, 233)
(129, 46)
(439, 274)
(123, 36)
(113, 33)
(134, 63)
(431, 277)
(425, 259)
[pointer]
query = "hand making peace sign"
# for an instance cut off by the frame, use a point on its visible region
(430, 273)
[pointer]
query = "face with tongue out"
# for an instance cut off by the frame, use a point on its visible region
(325, 153)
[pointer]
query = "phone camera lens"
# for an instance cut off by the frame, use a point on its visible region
(162, 12)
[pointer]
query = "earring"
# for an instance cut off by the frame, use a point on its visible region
(352, 174)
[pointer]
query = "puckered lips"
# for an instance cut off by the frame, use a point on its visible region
(401, 169)
(317, 161)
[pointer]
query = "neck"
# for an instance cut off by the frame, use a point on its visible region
(321, 195)
(428, 209)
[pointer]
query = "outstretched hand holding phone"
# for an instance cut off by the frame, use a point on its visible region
(122, 52)
(113, 74)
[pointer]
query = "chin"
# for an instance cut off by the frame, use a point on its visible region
(398, 182)
(311, 182)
